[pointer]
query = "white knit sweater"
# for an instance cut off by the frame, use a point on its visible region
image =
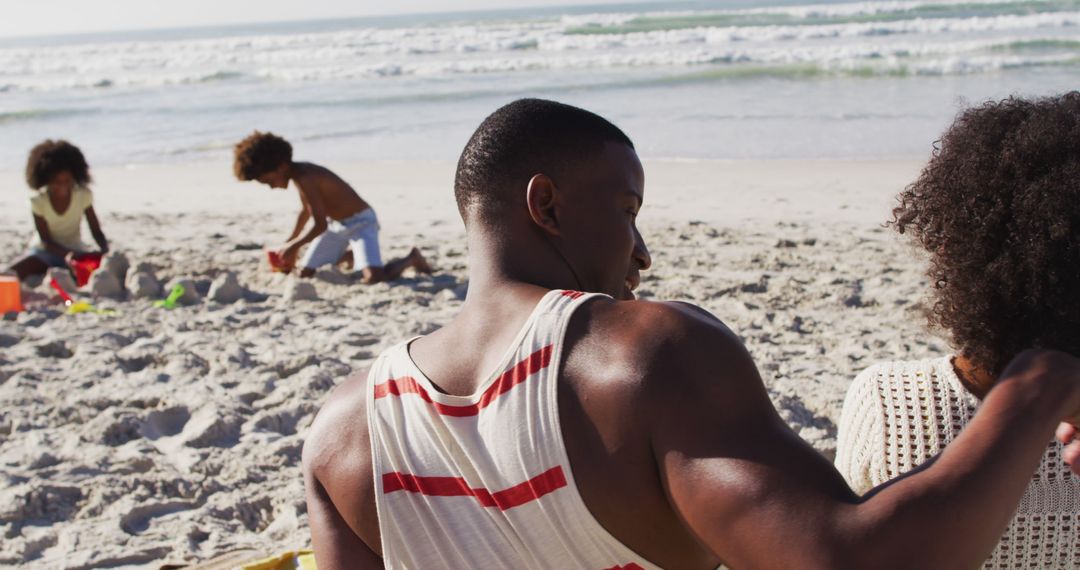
(899, 414)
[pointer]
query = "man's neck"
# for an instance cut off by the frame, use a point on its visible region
(496, 266)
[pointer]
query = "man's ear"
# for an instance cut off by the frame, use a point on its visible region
(541, 197)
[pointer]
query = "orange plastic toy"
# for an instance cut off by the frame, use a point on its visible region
(84, 265)
(10, 294)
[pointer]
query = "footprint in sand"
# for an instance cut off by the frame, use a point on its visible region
(165, 423)
(255, 515)
(212, 427)
(138, 520)
(8, 341)
(40, 503)
(362, 355)
(121, 428)
(54, 349)
(286, 369)
(283, 422)
(360, 340)
(139, 356)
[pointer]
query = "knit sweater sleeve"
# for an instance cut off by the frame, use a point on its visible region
(861, 440)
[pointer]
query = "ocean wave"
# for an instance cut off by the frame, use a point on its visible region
(40, 115)
(240, 55)
(84, 81)
(793, 33)
(821, 37)
(203, 148)
(886, 59)
(882, 57)
(935, 68)
(338, 134)
(1036, 45)
(221, 76)
(857, 13)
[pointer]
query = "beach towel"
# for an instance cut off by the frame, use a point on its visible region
(298, 560)
(254, 560)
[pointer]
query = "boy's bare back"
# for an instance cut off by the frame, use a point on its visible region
(322, 190)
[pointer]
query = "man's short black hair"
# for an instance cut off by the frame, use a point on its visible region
(520, 140)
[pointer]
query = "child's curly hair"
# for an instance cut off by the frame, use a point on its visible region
(998, 210)
(260, 153)
(50, 158)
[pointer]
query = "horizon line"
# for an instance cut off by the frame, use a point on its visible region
(586, 4)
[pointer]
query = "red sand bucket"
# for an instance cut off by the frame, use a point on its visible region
(84, 265)
(275, 261)
(10, 295)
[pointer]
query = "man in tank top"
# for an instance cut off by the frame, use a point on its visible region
(555, 422)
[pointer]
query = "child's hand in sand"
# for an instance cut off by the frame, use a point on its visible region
(288, 256)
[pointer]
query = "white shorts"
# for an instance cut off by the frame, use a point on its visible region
(359, 231)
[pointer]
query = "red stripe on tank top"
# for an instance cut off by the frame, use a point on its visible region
(573, 294)
(520, 494)
(517, 374)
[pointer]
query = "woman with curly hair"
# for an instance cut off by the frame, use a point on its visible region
(58, 172)
(998, 211)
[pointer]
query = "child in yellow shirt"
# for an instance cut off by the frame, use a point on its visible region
(58, 173)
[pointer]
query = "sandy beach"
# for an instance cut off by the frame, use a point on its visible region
(775, 137)
(154, 436)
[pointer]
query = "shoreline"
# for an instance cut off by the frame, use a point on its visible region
(424, 188)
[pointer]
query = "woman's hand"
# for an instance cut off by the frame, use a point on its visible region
(1069, 435)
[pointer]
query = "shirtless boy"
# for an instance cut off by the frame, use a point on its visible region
(342, 219)
(622, 433)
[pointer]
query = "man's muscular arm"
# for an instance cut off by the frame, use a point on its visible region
(760, 497)
(337, 477)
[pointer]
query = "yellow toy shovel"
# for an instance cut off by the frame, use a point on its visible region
(75, 307)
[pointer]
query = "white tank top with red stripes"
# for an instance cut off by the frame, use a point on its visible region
(483, 481)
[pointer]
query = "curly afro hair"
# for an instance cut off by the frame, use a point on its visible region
(50, 158)
(998, 210)
(260, 153)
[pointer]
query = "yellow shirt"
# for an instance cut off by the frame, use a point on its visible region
(66, 228)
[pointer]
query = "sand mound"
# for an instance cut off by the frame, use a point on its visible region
(143, 285)
(62, 277)
(226, 289)
(191, 294)
(105, 284)
(117, 264)
(300, 290)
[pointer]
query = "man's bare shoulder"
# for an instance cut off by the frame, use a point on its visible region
(337, 473)
(338, 441)
(657, 346)
(646, 330)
